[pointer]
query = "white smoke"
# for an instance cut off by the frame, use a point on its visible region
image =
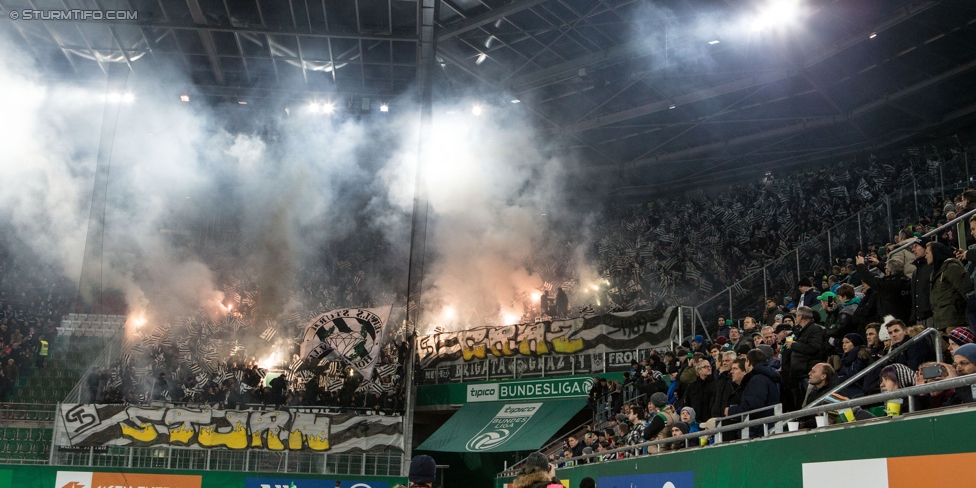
(189, 183)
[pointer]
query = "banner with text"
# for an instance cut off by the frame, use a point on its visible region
(204, 428)
(594, 334)
(565, 387)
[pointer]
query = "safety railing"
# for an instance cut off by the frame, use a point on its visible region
(547, 447)
(884, 361)
(26, 412)
(245, 460)
(112, 349)
(822, 410)
(774, 428)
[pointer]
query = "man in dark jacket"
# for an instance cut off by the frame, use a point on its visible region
(949, 287)
(723, 384)
(802, 353)
(921, 307)
(822, 378)
(840, 315)
(760, 388)
(700, 394)
(894, 288)
(808, 294)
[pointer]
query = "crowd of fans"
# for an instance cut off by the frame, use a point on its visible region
(31, 305)
(235, 384)
(679, 250)
(800, 350)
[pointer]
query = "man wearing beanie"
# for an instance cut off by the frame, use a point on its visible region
(960, 336)
(661, 418)
(423, 472)
(965, 363)
(537, 473)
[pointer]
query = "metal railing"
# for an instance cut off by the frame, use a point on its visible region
(884, 361)
(901, 393)
(112, 349)
(26, 412)
(246, 460)
(777, 427)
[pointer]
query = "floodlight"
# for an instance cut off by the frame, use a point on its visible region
(184, 98)
(714, 42)
(313, 107)
(873, 35)
(476, 109)
(516, 100)
(328, 108)
(128, 98)
(481, 58)
(242, 102)
(384, 108)
(776, 13)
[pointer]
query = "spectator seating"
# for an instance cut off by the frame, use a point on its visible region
(84, 325)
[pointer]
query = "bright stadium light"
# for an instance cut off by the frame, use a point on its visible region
(714, 42)
(481, 58)
(776, 13)
(476, 109)
(313, 107)
(384, 108)
(328, 108)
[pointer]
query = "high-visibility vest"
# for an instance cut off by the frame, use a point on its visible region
(43, 348)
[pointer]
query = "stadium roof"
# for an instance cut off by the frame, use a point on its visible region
(640, 90)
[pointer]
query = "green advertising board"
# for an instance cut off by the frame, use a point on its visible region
(32, 476)
(502, 426)
(557, 387)
(934, 450)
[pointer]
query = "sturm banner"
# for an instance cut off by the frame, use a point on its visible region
(593, 334)
(84, 425)
(352, 336)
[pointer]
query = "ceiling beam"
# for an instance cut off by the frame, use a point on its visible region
(473, 23)
(196, 12)
(232, 29)
(750, 82)
(806, 125)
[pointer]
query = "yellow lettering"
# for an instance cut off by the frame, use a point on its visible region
(145, 432)
(474, 352)
(180, 434)
(563, 345)
(274, 443)
(318, 442)
(235, 439)
(295, 440)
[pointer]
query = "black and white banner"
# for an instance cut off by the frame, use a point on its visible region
(350, 335)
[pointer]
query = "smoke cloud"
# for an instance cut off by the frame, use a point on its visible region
(313, 210)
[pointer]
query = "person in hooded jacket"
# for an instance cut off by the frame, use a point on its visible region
(760, 388)
(840, 315)
(949, 287)
(856, 357)
(537, 473)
